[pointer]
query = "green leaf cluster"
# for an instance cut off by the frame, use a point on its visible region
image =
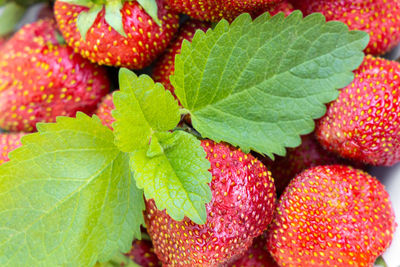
(73, 193)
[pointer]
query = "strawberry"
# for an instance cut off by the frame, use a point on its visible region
(9, 142)
(126, 36)
(285, 7)
(41, 79)
(332, 216)
(308, 154)
(214, 10)
(164, 67)
(104, 111)
(142, 253)
(380, 18)
(364, 122)
(256, 256)
(243, 200)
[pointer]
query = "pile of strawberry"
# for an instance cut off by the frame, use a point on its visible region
(328, 213)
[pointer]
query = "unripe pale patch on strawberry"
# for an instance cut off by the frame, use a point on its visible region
(241, 209)
(332, 216)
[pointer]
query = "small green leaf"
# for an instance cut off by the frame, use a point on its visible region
(151, 8)
(114, 17)
(86, 3)
(380, 262)
(142, 109)
(259, 84)
(67, 197)
(178, 178)
(86, 19)
(119, 260)
(9, 17)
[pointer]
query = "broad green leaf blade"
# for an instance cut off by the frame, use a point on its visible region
(114, 17)
(177, 179)
(67, 197)
(259, 84)
(9, 17)
(150, 6)
(142, 108)
(86, 3)
(86, 20)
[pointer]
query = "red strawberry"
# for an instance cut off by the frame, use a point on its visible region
(285, 7)
(332, 216)
(241, 209)
(40, 79)
(104, 111)
(165, 65)
(256, 256)
(308, 154)
(9, 142)
(364, 122)
(214, 10)
(142, 253)
(137, 41)
(380, 18)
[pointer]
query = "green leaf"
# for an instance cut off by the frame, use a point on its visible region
(67, 197)
(114, 17)
(86, 20)
(142, 108)
(380, 262)
(259, 84)
(151, 8)
(12, 13)
(86, 3)
(119, 260)
(178, 178)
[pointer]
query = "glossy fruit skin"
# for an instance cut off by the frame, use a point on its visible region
(41, 79)
(363, 124)
(283, 6)
(104, 111)
(9, 142)
(309, 154)
(332, 216)
(380, 18)
(243, 200)
(144, 42)
(142, 253)
(256, 256)
(165, 65)
(215, 10)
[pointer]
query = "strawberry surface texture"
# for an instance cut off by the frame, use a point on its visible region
(142, 253)
(243, 200)
(41, 79)
(332, 216)
(144, 39)
(380, 18)
(9, 142)
(214, 10)
(363, 124)
(104, 111)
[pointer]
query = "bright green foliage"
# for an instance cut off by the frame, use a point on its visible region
(142, 109)
(12, 13)
(259, 84)
(178, 178)
(170, 167)
(67, 197)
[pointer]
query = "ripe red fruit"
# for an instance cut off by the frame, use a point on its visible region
(332, 216)
(104, 111)
(243, 200)
(308, 154)
(364, 122)
(144, 40)
(284, 7)
(41, 79)
(380, 18)
(9, 142)
(214, 10)
(256, 256)
(142, 253)
(165, 66)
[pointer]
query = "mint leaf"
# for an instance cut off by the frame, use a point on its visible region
(142, 108)
(259, 84)
(178, 178)
(67, 197)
